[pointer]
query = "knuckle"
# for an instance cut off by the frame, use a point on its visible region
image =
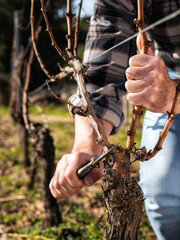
(154, 76)
(64, 158)
(152, 97)
(60, 182)
(74, 157)
(128, 70)
(58, 195)
(127, 76)
(156, 92)
(53, 186)
(131, 60)
(54, 192)
(68, 174)
(130, 98)
(127, 85)
(158, 62)
(73, 180)
(77, 155)
(55, 195)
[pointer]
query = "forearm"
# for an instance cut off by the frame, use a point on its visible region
(85, 135)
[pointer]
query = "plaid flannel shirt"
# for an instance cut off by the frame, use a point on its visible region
(111, 23)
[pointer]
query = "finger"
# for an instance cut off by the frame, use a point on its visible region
(60, 169)
(94, 175)
(140, 60)
(57, 182)
(66, 170)
(67, 189)
(60, 187)
(136, 98)
(56, 190)
(77, 161)
(135, 86)
(133, 73)
(72, 178)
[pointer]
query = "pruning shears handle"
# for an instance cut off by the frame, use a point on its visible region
(94, 162)
(84, 170)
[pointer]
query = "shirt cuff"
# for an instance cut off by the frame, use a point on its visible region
(106, 103)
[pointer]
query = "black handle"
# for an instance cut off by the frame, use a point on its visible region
(84, 170)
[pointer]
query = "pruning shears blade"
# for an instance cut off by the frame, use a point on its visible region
(93, 163)
(103, 155)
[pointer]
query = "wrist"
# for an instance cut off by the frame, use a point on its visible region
(86, 137)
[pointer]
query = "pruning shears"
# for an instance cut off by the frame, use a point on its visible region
(94, 162)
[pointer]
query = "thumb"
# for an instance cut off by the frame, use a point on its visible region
(94, 175)
(139, 45)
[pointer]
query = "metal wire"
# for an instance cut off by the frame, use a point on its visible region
(162, 20)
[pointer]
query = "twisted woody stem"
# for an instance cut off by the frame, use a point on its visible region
(49, 29)
(164, 132)
(34, 41)
(76, 35)
(86, 105)
(25, 89)
(137, 111)
(69, 36)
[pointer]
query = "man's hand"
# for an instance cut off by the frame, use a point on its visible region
(65, 181)
(149, 84)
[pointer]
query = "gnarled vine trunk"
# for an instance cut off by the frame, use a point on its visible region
(43, 148)
(123, 198)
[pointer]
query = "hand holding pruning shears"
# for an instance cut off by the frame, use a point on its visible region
(94, 162)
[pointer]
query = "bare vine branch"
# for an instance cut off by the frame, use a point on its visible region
(87, 107)
(69, 36)
(49, 29)
(25, 89)
(77, 29)
(34, 41)
(137, 111)
(60, 99)
(65, 72)
(26, 84)
(164, 132)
